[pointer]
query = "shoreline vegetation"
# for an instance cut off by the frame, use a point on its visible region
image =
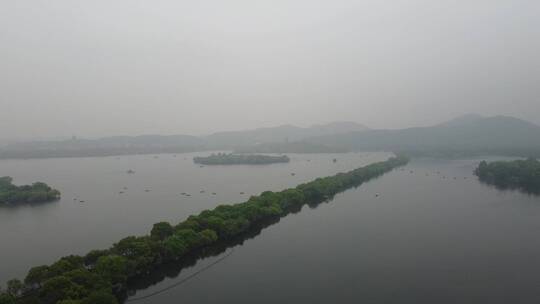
(522, 175)
(105, 276)
(240, 159)
(38, 192)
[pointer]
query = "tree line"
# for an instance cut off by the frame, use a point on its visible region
(35, 193)
(517, 174)
(102, 276)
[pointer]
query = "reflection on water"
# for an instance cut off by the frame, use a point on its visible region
(429, 233)
(500, 187)
(172, 270)
(102, 203)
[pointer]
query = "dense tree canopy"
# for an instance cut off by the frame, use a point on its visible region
(35, 193)
(518, 174)
(237, 159)
(103, 274)
(6, 298)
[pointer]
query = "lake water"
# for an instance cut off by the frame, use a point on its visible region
(36, 235)
(433, 235)
(427, 238)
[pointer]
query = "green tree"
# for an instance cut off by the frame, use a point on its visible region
(59, 288)
(100, 298)
(92, 257)
(36, 276)
(65, 264)
(14, 287)
(6, 298)
(175, 246)
(161, 230)
(90, 281)
(208, 236)
(112, 268)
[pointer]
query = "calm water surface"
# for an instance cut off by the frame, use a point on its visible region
(433, 235)
(35, 235)
(428, 238)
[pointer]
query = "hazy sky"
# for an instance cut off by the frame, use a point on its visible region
(105, 67)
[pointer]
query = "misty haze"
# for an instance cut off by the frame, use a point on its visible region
(269, 152)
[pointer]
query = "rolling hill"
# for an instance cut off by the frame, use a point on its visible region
(466, 135)
(149, 144)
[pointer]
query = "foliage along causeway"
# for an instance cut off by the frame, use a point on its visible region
(518, 174)
(237, 159)
(11, 194)
(102, 276)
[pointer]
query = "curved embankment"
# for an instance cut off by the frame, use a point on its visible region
(102, 276)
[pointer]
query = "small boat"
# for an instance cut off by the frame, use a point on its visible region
(130, 171)
(213, 193)
(293, 174)
(241, 192)
(146, 190)
(202, 191)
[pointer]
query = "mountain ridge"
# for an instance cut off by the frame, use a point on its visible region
(149, 144)
(503, 135)
(470, 134)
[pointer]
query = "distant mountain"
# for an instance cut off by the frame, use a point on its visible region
(115, 145)
(290, 147)
(284, 133)
(147, 144)
(337, 128)
(463, 136)
(467, 135)
(462, 120)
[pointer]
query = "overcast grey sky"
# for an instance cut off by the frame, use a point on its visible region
(103, 67)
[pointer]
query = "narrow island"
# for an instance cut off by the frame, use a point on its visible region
(240, 159)
(104, 276)
(11, 194)
(523, 175)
